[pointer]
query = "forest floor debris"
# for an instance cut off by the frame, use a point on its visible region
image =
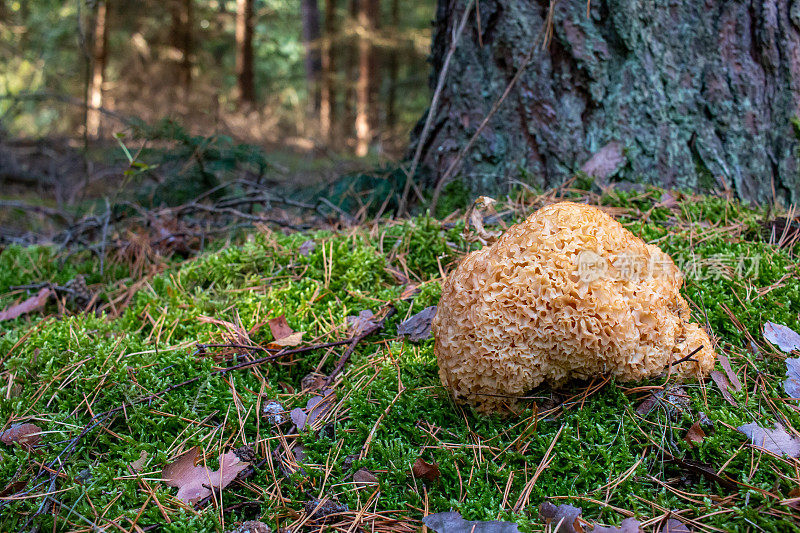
(348, 426)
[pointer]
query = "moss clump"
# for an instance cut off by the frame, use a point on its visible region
(64, 370)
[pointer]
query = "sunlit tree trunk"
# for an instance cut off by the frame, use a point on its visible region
(99, 57)
(309, 13)
(244, 52)
(327, 104)
(393, 67)
(182, 20)
(368, 20)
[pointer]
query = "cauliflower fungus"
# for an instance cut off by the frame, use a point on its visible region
(568, 293)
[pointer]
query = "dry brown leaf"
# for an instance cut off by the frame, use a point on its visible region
(722, 383)
(629, 525)
(251, 526)
(564, 514)
(774, 440)
(280, 328)
(409, 292)
(782, 336)
(732, 377)
(139, 463)
(792, 383)
(473, 221)
(675, 526)
(453, 522)
(695, 433)
(605, 162)
(26, 435)
(195, 482)
(364, 478)
(418, 327)
(361, 323)
(26, 306)
(427, 472)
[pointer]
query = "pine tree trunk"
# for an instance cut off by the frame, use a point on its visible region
(182, 34)
(368, 21)
(309, 14)
(99, 58)
(244, 52)
(327, 106)
(696, 94)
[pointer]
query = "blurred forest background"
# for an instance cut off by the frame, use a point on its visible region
(325, 75)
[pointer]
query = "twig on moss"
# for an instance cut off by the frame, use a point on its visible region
(354, 342)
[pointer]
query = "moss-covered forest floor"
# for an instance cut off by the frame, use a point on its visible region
(122, 392)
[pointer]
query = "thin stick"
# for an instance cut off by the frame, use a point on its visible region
(457, 161)
(358, 338)
(432, 111)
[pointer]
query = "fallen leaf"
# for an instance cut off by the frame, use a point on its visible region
(317, 406)
(26, 435)
(775, 440)
(605, 162)
(473, 221)
(792, 383)
(138, 464)
(307, 247)
(647, 405)
(364, 478)
(675, 526)
(427, 472)
(695, 433)
(26, 306)
(298, 416)
(418, 327)
(321, 509)
(565, 514)
(722, 383)
(629, 525)
(667, 200)
(702, 469)
(282, 334)
(292, 340)
(361, 323)
(452, 522)
(251, 526)
(195, 482)
(782, 336)
(732, 377)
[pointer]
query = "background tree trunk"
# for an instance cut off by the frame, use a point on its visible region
(327, 106)
(99, 57)
(696, 93)
(244, 52)
(368, 21)
(182, 33)
(309, 11)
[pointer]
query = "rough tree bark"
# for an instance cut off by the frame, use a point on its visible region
(244, 52)
(99, 57)
(696, 93)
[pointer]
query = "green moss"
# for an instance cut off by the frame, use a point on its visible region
(103, 362)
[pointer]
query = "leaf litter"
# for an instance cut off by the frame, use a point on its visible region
(29, 305)
(418, 327)
(453, 522)
(775, 440)
(784, 337)
(194, 482)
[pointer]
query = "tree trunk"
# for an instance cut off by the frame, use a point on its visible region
(182, 33)
(368, 21)
(244, 52)
(99, 58)
(695, 93)
(309, 14)
(327, 105)
(393, 68)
